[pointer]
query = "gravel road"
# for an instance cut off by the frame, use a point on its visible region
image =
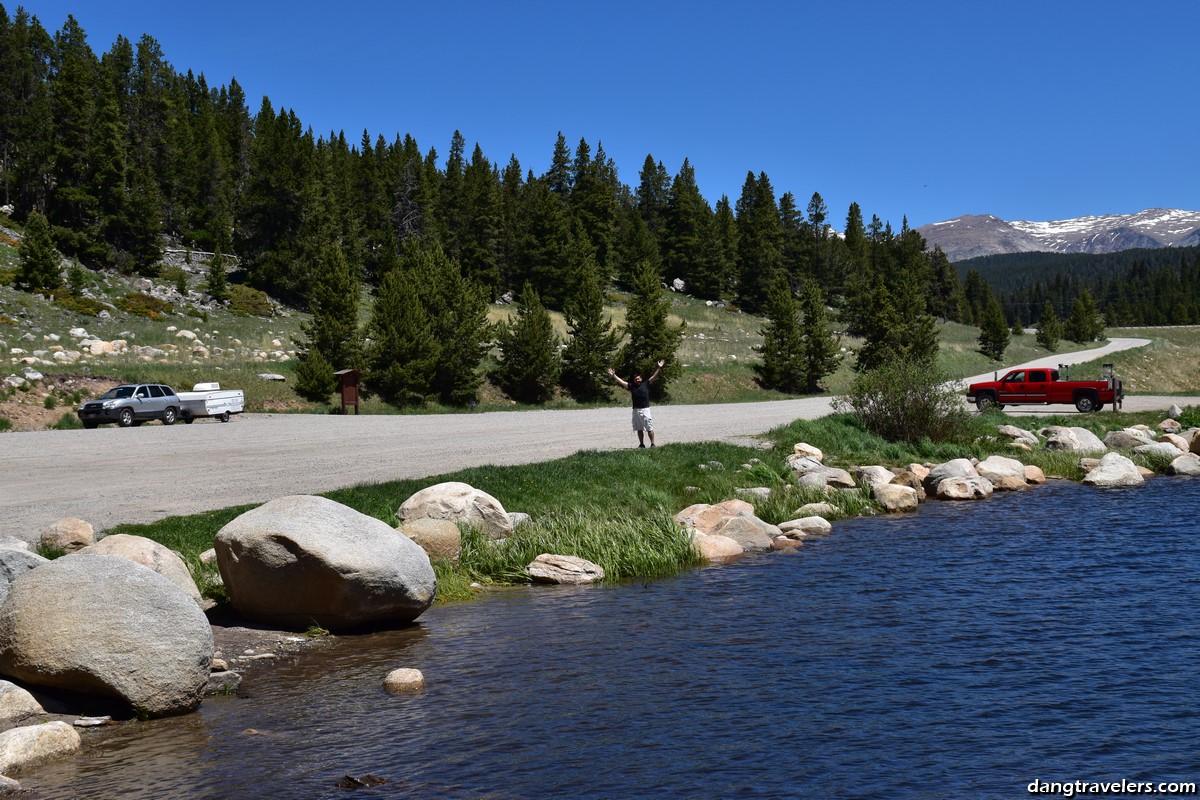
(111, 475)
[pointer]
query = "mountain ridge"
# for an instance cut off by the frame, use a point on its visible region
(973, 235)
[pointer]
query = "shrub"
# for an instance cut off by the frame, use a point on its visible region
(67, 422)
(143, 305)
(177, 277)
(908, 401)
(79, 305)
(50, 402)
(5, 424)
(315, 380)
(248, 301)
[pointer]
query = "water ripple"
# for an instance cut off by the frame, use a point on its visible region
(958, 653)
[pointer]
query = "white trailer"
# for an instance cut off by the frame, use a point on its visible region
(210, 400)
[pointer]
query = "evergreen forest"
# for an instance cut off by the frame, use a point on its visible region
(109, 157)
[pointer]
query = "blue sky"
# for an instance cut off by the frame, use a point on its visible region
(1027, 110)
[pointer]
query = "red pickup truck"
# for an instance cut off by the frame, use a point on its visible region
(1042, 386)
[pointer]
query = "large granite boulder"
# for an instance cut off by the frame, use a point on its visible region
(1186, 464)
(715, 548)
(439, 538)
(974, 487)
(151, 554)
(1114, 470)
(107, 626)
(17, 703)
(733, 519)
(1016, 434)
(1079, 440)
(954, 468)
(894, 497)
(1127, 439)
(913, 480)
(872, 476)
(300, 560)
(68, 535)
(996, 467)
(15, 562)
(458, 502)
(31, 745)
(1159, 449)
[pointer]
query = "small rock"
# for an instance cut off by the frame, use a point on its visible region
(553, 568)
(92, 722)
(404, 680)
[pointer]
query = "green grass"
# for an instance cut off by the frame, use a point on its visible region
(616, 508)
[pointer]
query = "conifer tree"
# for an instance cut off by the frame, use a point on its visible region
(529, 358)
(1084, 324)
(650, 336)
(403, 354)
(39, 261)
(994, 334)
(216, 282)
(1049, 329)
(593, 342)
(315, 378)
(333, 328)
(687, 223)
(782, 366)
(457, 308)
(822, 353)
(760, 240)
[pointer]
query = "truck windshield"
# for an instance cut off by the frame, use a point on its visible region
(119, 393)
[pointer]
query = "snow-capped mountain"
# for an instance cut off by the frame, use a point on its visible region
(984, 235)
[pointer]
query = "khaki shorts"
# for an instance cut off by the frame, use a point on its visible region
(642, 421)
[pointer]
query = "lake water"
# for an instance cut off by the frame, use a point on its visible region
(961, 652)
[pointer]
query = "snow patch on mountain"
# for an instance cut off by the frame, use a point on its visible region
(985, 234)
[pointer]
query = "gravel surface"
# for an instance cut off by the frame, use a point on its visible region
(112, 475)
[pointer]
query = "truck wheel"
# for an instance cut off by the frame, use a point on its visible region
(126, 418)
(169, 416)
(1085, 403)
(225, 417)
(986, 402)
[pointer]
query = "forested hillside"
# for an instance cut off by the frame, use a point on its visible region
(1158, 286)
(108, 159)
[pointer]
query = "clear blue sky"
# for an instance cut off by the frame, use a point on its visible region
(1027, 110)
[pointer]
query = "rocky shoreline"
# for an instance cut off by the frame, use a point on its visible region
(141, 593)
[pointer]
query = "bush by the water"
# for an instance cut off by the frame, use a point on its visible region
(908, 401)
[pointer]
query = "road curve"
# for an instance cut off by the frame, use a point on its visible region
(111, 475)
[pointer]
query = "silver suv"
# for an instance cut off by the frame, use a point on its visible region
(130, 405)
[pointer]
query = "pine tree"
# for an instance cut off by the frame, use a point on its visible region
(1084, 324)
(403, 353)
(760, 240)
(315, 378)
(782, 349)
(687, 223)
(457, 308)
(994, 334)
(216, 282)
(822, 353)
(333, 328)
(651, 338)
(529, 359)
(39, 261)
(1049, 329)
(593, 342)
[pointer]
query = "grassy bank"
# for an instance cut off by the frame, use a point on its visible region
(616, 508)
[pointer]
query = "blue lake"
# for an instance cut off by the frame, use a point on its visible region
(961, 652)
